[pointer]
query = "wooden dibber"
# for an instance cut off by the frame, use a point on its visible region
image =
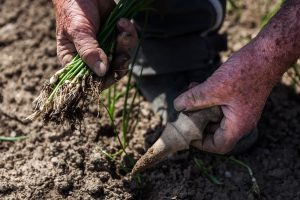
(179, 135)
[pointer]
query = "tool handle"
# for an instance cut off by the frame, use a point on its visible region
(202, 117)
(191, 125)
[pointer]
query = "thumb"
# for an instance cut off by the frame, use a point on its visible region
(88, 48)
(197, 97)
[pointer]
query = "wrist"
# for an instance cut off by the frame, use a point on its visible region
(263, 60)
(277, 46)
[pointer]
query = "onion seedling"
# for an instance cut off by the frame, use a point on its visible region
(63, 95)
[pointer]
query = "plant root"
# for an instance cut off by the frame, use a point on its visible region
(68, 103)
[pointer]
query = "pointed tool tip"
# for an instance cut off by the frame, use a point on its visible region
(134, 171)
(142, 164)
(153, 156)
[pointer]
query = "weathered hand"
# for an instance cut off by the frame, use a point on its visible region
(240, 86)
(78, 22)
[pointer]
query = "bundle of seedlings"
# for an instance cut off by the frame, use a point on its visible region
(63, 97)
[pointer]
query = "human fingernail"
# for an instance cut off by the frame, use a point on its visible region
(123, 25)
(100, 68)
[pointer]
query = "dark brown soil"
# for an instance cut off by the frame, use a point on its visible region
(56, 162)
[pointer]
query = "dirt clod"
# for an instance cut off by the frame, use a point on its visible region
(94, 187)
(63, 185)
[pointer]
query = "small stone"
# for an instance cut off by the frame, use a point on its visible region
(145, 112)
(94, 187)
(104, 176)
(278, 173)
(5, 187)
(79, 161)
(139, 148)
(8, 166)
(13, 134)
(63, 185)
(97, 162)
(54, 160)
(227, 174)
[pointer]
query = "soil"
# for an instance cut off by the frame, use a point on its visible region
(57, 162)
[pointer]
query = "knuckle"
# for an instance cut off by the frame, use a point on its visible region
(85, 52)
(192, 96)
(66, 59)
(60, 54)
(80, 31)
(87, 49)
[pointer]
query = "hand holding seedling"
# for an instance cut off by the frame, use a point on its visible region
(66, 92)
(242, 84)
(78, 22)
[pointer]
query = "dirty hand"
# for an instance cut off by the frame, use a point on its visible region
(240, 87)
(78, 22)
(242, 84)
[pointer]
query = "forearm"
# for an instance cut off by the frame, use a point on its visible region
(278, 44)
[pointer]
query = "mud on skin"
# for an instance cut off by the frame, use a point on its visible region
(57, 163)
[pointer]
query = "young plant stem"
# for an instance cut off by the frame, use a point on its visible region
(205, 171)
(115, 130)
(125, 112)
(12, 139)
(125, 115)
(255, 186)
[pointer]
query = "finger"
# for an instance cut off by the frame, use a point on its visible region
(196, 98)
(223, 140)
(120, 59)
(118, 70)
(127, 39)
(211, 128)
(66, 51)
(114, 76)
(88, 49)
(124, 43)
(120, 65)
(121, 71)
